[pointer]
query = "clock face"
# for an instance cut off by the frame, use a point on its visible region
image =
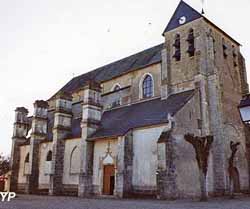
(182, 20)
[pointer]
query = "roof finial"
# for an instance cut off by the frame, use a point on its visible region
(202, 11)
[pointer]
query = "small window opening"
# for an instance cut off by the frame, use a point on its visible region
(190, 41)
(225, 49)
(49, 156)
(177, 47)
(27, 158)
(235, 56)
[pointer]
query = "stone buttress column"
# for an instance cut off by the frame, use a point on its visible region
(21, 127)
(166, 175)
(61, 130)
(165, 71)
(124, 173)
(211, 106)
(39, 133)
(91, 117)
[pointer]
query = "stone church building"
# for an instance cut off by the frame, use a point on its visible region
(119, 129)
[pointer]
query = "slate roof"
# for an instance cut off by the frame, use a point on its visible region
(118, 122)
(245, 101)
(110, 71)
(183, 9)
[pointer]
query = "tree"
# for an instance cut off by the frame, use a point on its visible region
(4, 164)
(202, 146)
(231, 168)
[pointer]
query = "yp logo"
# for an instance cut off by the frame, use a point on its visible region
(7, 196)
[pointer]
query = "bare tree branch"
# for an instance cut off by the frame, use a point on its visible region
(202, 146)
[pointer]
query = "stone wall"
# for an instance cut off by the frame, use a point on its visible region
(22, 178)
(226, 88)
(71, 161)
(117, 98)
(133, 79)
(231, 86)
(179, 75)
(44, 166)
(187, 179)
(145, 159)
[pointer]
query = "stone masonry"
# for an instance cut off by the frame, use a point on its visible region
(21, 127)
(91, 116)
(166, 173)
(124, 166)
(39, 131)
(62, 128)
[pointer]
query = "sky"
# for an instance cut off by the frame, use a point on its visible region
(44, 43)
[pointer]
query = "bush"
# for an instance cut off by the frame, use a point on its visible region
(4, 164)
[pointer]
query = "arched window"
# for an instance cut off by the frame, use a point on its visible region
(116, 87)
(49, 156)
(27, 158)
(190, 41)
(75, 161)
(177, 47)
(117, 96)
(147, 87)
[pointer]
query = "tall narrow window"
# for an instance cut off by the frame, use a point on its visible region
(147, 87)
(49, 156)
(235, 56)
(190, 41)
(75, 161)
(27, 158)
(224, 47)
(177, 47)
(117, 95)
(214, 46)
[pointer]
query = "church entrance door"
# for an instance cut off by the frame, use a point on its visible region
(108, 179)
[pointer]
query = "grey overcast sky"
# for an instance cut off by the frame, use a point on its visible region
(43, 43)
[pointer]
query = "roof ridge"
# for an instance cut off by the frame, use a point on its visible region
(119, 60)
(148, 113)
(79, 80)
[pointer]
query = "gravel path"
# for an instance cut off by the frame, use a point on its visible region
(48, 202)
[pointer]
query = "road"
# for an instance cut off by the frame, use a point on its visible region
(54, 202)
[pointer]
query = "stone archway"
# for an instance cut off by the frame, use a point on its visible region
(233, 134)
(108, 172)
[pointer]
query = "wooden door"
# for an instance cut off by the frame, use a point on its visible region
(108, 179)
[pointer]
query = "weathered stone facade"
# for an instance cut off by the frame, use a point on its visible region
(92, 138)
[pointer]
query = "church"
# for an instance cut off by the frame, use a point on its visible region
(119, 130)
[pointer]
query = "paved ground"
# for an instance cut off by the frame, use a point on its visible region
(46, 202)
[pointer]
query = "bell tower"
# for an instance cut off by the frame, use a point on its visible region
(199, 55)
(182, 52)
